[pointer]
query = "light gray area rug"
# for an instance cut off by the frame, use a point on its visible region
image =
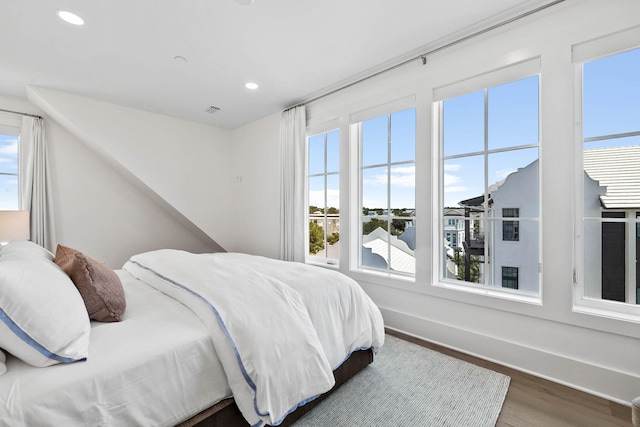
(409, 385)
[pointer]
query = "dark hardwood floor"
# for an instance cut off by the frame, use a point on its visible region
(533, 401)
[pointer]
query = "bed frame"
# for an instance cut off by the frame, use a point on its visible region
(226, 413)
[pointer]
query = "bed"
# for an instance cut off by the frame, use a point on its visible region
(209, 340)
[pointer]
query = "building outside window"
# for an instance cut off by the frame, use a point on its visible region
(611, 176)
(510, 277)
(387, 192)
(323, 196)
(489, 163)
(510, 229)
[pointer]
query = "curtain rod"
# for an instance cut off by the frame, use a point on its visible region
(423, 56)
(18, 112)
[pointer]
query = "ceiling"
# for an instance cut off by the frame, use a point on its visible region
(294, 50)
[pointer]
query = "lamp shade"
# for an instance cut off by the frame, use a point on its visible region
(14, 225)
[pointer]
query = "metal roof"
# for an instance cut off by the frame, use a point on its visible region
(617, 169)
(402, 257)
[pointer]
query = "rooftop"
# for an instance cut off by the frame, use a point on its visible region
(618, 169)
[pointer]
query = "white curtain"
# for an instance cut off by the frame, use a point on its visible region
(292, 180)
(34, 183)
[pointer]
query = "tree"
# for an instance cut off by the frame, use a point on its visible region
(333, 238)
(316, 238)
(372, 224)
(398, 226)
(474, 268)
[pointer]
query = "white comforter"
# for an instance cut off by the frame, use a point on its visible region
(279, 328)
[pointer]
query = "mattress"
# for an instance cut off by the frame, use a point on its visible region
(156, 367)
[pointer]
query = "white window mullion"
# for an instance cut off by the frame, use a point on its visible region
(389, 215)
(631, 257)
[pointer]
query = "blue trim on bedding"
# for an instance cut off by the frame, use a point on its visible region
(349, 355)
(224, 328)
(20, 333)
(235, 349)
(304, 402)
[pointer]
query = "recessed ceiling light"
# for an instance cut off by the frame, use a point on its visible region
(180, 58)
(70, 17)
(245, 2)
(252, 86)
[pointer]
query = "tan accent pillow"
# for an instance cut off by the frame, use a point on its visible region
(99, 285)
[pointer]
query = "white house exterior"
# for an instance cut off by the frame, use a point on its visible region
(611, 189)
(519, 191)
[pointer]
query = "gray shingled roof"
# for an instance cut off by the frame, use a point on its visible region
(618, 169)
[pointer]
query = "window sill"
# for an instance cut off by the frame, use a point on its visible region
(491, 292)
(327, 263)
(380, 277)
(608, 309)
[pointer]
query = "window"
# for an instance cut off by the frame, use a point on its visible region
(611, 177)
(323, 196)
(8, 167)
(510, 277)
(489, 163)
(387, 192)
(510, 228)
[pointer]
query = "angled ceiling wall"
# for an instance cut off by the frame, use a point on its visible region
(183, 166)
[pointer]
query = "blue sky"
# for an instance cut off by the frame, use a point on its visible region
(612, 105)
(8, 164)
(512, 122)
(400, 129)
(612, 95)
(376, 133)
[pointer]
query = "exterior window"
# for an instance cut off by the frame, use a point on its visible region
(387, 201)
(510, 229)
(489, 162)
(611, 177)
(8, 169)
(323, 196)
(510, 277)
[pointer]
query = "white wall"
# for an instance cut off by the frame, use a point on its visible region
(590, 352)
(181, 164)
(226, 184)
(98, 211)
(255, 152)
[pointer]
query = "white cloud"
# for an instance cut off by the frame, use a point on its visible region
(452, 181)
(316, 198)
(369, 203)
(11, 149)
(456, 189)
(401, 176)
(379, 179)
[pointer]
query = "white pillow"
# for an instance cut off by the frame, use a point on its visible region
(3, 367)
(43, 320)
(27, 248)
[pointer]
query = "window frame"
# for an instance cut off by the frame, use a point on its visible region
(583, 53)
(514, 229)
(322, 129)
(497, 77)
(356, 208)
(10, 125)
(510, 276)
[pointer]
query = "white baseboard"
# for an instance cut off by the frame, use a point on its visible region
(597, 380)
